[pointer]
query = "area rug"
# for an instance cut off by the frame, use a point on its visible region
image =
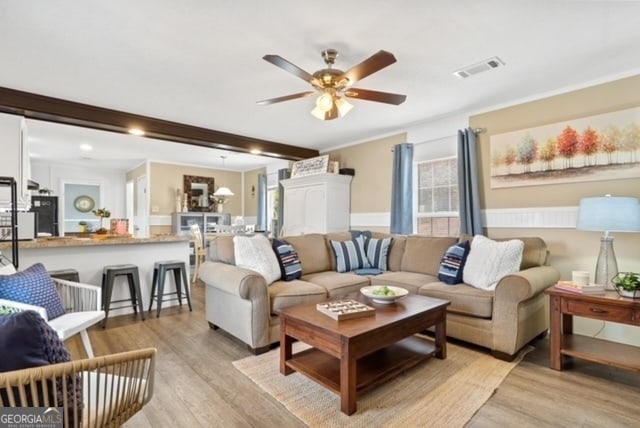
(436, 393)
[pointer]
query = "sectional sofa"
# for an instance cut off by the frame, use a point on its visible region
(505, 319)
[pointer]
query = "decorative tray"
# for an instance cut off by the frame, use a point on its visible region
(345, 309)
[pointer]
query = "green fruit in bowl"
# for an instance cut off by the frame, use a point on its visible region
(384, 291)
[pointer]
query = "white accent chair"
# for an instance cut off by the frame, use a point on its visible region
(82, 304)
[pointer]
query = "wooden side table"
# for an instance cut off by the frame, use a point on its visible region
(608, 307)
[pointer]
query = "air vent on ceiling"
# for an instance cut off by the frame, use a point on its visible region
(474, 69)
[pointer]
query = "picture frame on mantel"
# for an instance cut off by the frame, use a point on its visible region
(312, 166)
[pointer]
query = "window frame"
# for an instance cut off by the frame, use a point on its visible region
(438, 214)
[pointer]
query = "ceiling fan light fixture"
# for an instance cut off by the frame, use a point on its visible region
(344, 107)
(324, 102)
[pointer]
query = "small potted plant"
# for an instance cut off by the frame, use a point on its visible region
(83, 226)
(627, 284)
(102, 213)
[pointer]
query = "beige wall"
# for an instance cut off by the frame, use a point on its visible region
(166, 178)
(373, 163)
(251, 198)
(570, 249)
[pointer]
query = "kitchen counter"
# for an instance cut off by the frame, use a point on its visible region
(75, 241)
(90, 255)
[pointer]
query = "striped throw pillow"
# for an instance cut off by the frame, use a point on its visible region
(377, 251)
(452, 263)
(288, 260)
(350, 255)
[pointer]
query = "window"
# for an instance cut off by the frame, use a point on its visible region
(438, 198)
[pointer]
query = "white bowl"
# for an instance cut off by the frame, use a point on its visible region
(398, 292)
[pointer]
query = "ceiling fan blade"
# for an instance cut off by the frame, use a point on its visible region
(374, 63)
(286, 98)
(381, 97)
(278, 61)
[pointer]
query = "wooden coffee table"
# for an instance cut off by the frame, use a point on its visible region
(352, 356)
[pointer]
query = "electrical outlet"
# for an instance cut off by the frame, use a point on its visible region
(155, 209)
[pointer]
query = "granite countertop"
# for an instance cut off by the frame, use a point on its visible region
(73, 241)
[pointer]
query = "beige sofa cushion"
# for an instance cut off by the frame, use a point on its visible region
(284, 294)
(221, 249)
(338, 284)
(464, 299)
(534, 254)
(411, 281)
(396, 251)
(422, 254)
(312, 251)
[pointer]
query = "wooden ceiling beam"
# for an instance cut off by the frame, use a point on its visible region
(57, 110)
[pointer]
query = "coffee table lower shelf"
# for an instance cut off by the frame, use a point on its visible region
(372, 370)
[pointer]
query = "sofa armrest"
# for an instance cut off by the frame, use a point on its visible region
(245, 283)
(519, 312)
(525, 284)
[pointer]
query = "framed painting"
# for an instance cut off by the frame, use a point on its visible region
(593, 148)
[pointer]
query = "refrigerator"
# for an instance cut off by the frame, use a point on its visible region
(46, 209)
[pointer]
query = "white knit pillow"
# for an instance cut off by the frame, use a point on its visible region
(489, 261)
(255, 253)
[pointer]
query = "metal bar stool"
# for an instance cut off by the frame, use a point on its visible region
(109, 274)
(160, 270)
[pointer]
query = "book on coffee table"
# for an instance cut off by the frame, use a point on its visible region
(345, 309)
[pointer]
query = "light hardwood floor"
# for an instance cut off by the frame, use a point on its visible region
(197, 386)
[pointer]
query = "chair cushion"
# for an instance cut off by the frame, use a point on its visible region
(408, 280)
(255, 253)
(350, 255)
(26, 341)
(452, 263)
(284, 294)
(32, 286)
(290, 267)
(313, 251)
(338, 284)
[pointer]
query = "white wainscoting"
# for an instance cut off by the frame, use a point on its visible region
(533, 217)
(160, 220)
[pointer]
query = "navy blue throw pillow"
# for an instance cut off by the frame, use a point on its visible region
(288, 259)
(452, 263)
(34, 287)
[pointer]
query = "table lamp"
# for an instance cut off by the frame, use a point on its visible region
(608, 214)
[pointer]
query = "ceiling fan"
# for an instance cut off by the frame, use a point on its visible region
(333, 84)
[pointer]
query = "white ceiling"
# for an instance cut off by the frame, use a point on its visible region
(200, 61)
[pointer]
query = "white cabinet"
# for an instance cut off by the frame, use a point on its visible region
(316, 204)
(14, 159)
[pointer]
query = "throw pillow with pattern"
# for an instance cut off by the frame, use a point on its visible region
(452, 263)
(290, 266)
(350, 255)
(34, 287)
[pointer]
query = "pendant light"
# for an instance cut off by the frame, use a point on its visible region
(223, 191)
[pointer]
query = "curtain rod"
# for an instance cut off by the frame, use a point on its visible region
(475, 131)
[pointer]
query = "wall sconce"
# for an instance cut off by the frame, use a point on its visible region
(253, 191)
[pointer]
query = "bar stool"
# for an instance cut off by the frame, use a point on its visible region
(160, 270)
(109, 274)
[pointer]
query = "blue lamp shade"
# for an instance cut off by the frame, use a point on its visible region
(609, 214)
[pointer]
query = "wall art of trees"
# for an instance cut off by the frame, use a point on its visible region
(599, 147)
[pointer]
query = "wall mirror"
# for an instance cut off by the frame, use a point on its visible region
(198, 189)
